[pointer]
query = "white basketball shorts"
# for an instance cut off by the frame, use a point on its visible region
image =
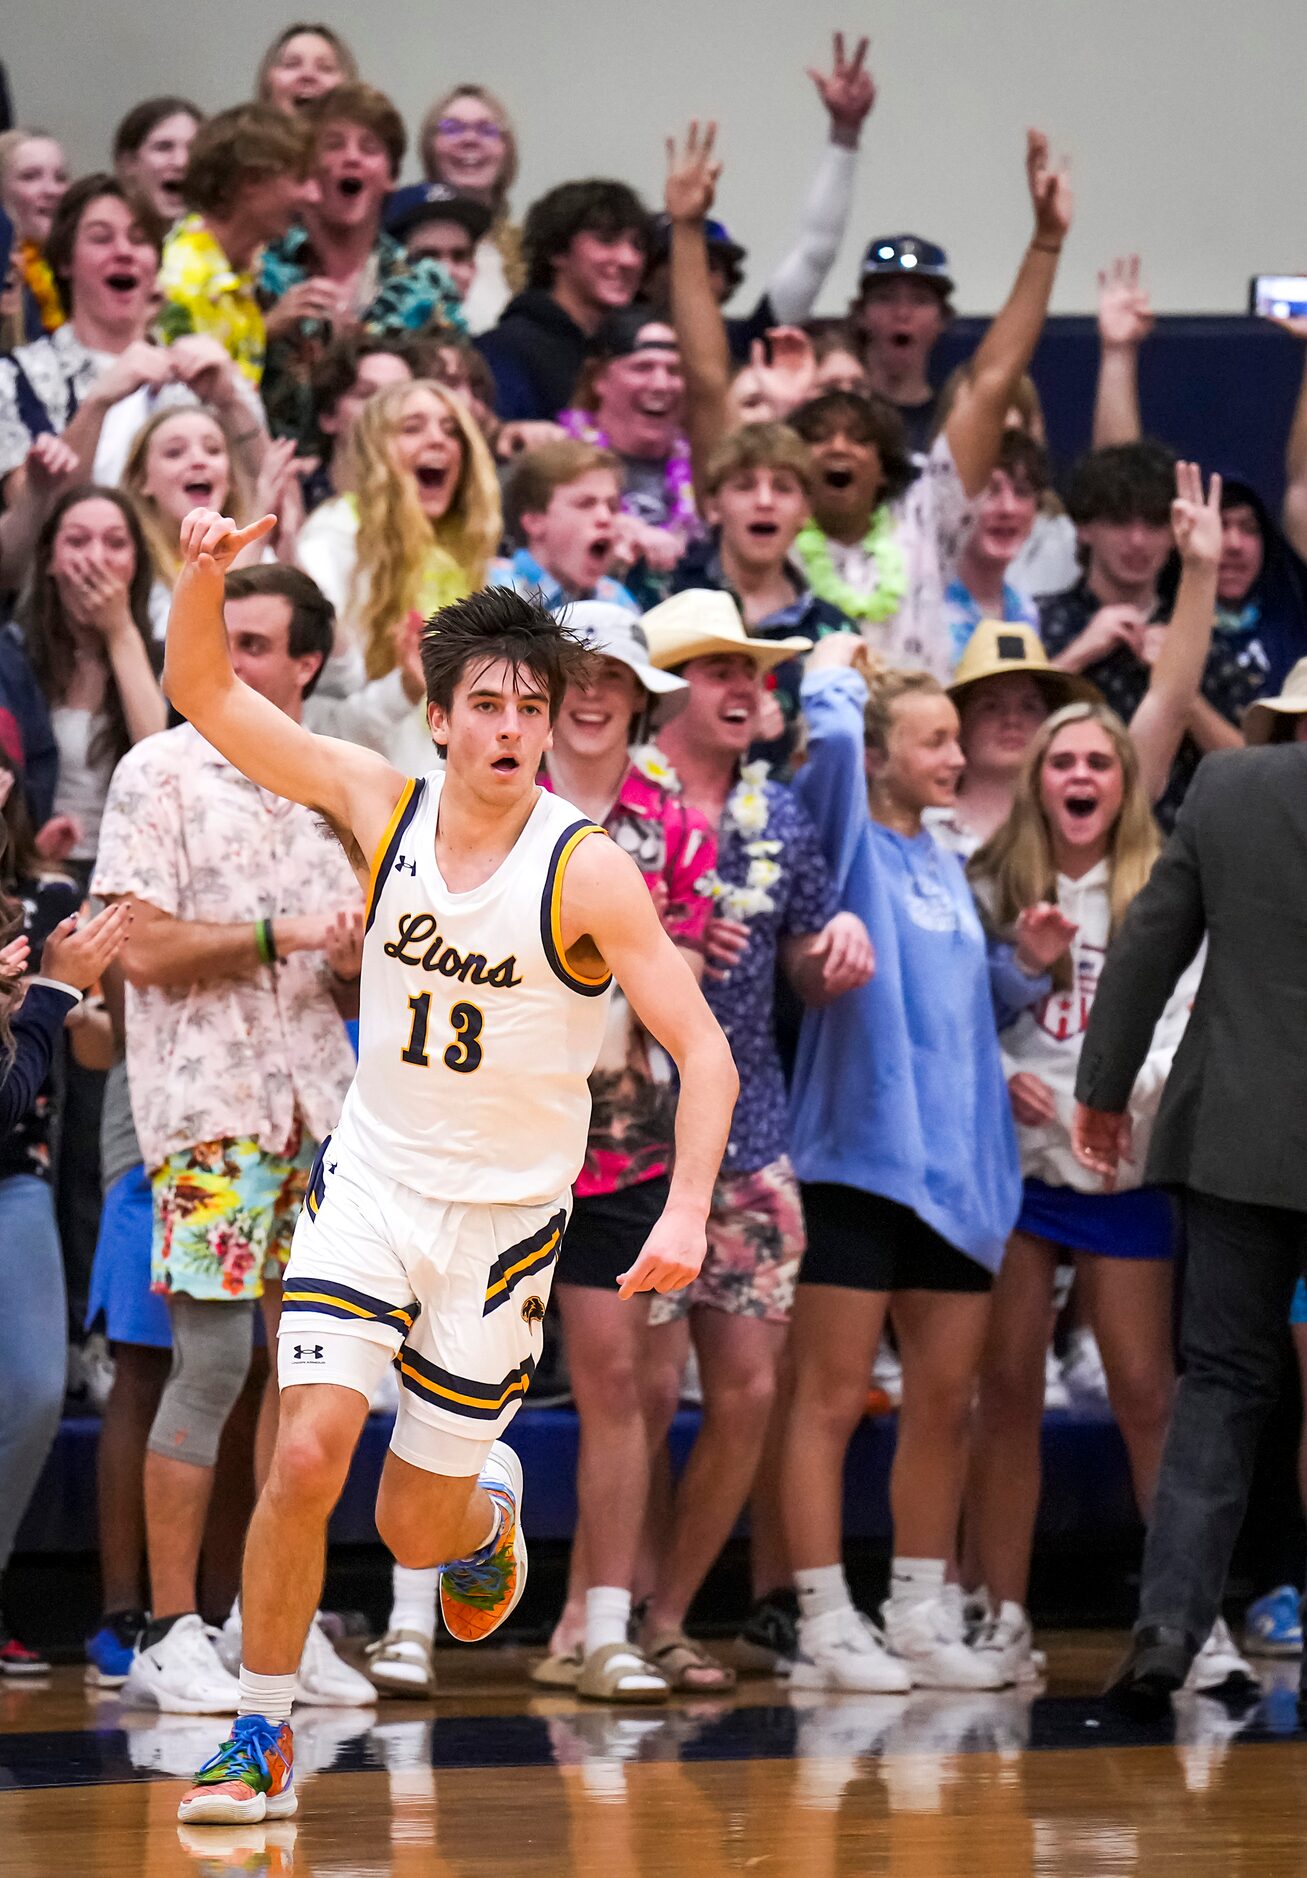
(453, 1294)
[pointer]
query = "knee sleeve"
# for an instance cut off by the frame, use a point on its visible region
(211, 1348)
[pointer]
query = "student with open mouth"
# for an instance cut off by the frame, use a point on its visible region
(151, 147)
(563, 505)
(414, 531)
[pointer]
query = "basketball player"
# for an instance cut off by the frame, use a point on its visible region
(497, 920)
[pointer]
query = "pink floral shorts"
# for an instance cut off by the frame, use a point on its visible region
(755, 1246)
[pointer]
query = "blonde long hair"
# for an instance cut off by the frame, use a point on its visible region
(395, 538)
(162, 534)
(1017, 860)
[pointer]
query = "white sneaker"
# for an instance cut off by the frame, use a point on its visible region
(324, 1681)
(1005, 1638)
(227, 1642)
(929, 1634)
(1218, 1666)
(887, 1374)
(1056, 1393)
(401, 1663)
(844, 1650)
(182, 1674)
(1083, 1371)
(97, 1370)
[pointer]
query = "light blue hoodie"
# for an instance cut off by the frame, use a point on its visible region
(898, 1087)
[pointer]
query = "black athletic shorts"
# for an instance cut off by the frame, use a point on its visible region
(865, 1242)
(605, 1234)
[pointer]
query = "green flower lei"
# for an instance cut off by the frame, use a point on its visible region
(881, 543)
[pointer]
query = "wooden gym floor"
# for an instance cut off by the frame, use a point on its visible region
(497, 1778)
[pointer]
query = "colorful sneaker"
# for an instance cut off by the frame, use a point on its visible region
(251, 1777)
(109, 1651)
(479, 1592)
(1272, 1626)
(17, 1660)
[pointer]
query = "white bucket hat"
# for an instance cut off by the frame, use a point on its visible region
(617, 633)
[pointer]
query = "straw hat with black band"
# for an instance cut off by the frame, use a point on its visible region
(1270, 719)
(998, 648)
(702, 623)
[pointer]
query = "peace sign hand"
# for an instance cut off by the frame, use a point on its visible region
(1195, 518)
(210, 542)
(692, 175)
(848, 92)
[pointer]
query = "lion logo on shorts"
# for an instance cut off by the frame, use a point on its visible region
(533, 1311)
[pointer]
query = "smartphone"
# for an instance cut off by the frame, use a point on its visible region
(1278, 296)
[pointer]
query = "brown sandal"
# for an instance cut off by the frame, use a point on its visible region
(687, 1666)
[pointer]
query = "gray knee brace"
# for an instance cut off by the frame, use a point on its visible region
(211, 1348)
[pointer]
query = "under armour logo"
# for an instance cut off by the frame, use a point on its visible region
(309, 1353)
(401, 864)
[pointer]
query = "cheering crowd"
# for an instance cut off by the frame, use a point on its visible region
(893, 713)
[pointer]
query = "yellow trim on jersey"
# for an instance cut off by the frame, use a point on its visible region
(556, 908)
(506, 1278)
(491, 1406)
(379, 852)
(308, 1298)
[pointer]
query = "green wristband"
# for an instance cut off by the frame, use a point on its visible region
(264, 942)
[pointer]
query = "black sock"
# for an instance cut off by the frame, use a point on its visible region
(158, 1627)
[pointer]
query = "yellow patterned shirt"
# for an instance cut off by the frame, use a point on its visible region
(203, 293)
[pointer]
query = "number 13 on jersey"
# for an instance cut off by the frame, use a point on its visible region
(463, 1055)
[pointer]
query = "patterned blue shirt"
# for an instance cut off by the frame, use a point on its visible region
(525, 575)
(744, 1003)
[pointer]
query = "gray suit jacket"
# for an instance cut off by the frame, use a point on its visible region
(1233, 1120)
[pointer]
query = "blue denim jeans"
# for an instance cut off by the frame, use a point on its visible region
(33, 1344)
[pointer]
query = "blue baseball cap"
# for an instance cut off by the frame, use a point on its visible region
(907, 257)
(716, 234)
(406, 209)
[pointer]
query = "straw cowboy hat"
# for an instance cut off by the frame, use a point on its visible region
(1261, 721)
(700, 622)
(998, 647)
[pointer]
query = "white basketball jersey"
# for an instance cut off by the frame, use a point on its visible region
(476, 1038)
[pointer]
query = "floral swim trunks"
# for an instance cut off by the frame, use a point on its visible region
(224, 1213)
(756, 1243)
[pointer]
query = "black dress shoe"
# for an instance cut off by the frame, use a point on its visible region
(1158, 1662)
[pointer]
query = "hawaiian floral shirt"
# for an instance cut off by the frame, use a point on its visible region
(261, 1054)
(203, 293)
(524, 574)
(395, 296)
(772, 875)
(632, 1095)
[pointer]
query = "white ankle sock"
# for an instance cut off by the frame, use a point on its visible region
(822, 1591)
(266, 1695)
(607, 1614)
(914, 1580)
(413, 1600)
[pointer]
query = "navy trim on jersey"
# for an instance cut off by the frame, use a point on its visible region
(550, 900)
(524, 1260)
(459, 1395)
(326, 1297)
(405, 809)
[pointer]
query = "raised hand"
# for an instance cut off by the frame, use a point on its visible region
(210, 542)
(13, 960)
(848, 92)
(1195, 518)
(1125, 314)
(692, 174)
(1050, 191)
(77, 954)
(49, 464)
(1043, 934)
(840, 652)
(788, 376)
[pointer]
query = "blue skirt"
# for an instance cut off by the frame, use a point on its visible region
(1134, 1225)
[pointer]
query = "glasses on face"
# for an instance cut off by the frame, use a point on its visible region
(470, 127)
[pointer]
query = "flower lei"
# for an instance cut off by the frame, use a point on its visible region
(746, 813)
(40, 282)
(881, 542)
(678, 477)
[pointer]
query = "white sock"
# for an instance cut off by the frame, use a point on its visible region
(266, 1695)
(607, 1614)
(822, 1591)
(234, 1619)
(914, 1580)
(413, 1600)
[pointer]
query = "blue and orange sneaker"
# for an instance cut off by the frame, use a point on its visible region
(1273, 1625)
(251, 1777)
(477, 1593)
